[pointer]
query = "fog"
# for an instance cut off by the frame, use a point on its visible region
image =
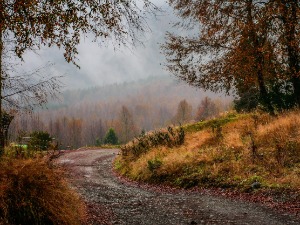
(106, 64)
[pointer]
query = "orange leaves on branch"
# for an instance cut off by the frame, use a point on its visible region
(240, 45)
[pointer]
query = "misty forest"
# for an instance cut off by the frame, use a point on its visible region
(149, 112)
(83, 117)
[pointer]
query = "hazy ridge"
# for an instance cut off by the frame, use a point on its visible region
(84, 115)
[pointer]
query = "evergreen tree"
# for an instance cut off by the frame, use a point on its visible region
(111, 137)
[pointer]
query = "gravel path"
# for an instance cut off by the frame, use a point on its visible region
(113, 201)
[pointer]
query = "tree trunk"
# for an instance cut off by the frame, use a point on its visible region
(264, 96)
(290, 21)
(259, 61)
(1, 80)
(296, 85)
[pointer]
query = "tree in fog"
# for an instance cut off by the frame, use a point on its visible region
(94, 131)
(75, 130)
(206, 109)
(184, 112)
(126, 128)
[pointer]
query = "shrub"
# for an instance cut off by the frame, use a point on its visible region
(154, 164)
(170, 137)
(39, 140)
(32, 192)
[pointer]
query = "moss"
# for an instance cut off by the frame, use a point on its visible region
(214, 123)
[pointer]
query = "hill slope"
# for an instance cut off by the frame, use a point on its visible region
(250, 153)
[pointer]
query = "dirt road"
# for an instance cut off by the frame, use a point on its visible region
(112, 201)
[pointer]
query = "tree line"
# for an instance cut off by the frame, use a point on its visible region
(91, 127)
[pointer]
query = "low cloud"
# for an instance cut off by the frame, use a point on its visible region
(101, 65)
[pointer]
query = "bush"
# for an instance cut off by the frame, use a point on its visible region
(154, 164)
(32, 192)
(98, 142)
(39, 140)
(170, 137)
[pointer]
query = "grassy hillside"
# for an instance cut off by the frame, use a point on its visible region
(237, 151)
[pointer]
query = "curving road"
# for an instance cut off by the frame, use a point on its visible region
(112, 201)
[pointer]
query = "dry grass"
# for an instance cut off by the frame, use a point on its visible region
(251, 148)
(33, 192)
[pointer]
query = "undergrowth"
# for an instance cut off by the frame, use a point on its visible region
(170, 137)
(21, 152)
(34, 192)
(235, 151)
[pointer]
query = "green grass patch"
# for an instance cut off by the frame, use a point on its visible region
(214, 123)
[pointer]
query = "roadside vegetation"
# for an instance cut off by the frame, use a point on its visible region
(244, 152)
(34, 191)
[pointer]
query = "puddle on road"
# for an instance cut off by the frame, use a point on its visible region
(88, 171)
(67, 161)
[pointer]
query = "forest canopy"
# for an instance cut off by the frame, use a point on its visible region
(249, 47)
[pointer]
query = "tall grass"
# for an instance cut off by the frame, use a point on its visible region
(237, 152)
(34, 192)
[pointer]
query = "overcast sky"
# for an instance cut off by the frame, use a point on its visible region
(105, 65)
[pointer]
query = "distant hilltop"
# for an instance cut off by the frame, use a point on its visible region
(163, 88)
